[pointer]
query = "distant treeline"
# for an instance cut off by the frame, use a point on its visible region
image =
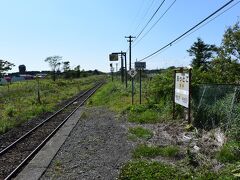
(70, 73)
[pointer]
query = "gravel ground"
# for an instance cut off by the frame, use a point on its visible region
(96, 148)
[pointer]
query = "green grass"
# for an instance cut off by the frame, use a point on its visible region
(230, 153)
(112, 95)
(19, 103)
(147, 116)
(148, 113)
(151, 170)
(132, 137)
(154, 151)
(141, 132)
(137, 170)
(116, 97)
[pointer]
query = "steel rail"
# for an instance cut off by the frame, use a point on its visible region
(42, 123)
(25, 161)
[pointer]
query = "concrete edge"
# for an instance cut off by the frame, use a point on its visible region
(38, 165)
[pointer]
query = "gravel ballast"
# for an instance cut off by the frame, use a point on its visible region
(96, 148)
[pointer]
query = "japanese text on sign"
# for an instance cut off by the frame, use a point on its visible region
(182, 89)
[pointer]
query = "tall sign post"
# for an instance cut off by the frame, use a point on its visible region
(114, 57)
(181, 93)
(132, 73)
(140, 66)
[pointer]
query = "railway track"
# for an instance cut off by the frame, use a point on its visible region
(16, 155)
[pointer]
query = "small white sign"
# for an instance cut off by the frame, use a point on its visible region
(182, 89)
(132, 73)
(111, 69)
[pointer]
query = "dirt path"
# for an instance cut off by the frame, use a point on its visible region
(96, 149)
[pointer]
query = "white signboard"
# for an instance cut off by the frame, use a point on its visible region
(132, 73)
(182, 89)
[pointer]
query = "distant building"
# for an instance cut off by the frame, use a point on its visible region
(26, 76)
(41, 75)
(16, 79)
(22, 69)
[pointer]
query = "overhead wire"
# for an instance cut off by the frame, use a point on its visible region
(150, 19)
(135, 19)
(138, 15)
(145, 15)
(146, 12)
(209, 21)
(198, 28)
(155, 23)
(185, 33)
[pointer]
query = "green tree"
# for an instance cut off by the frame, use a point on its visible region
(201, 53)
(226, 67)
(77, 70)
(225, 71)
(66, 69)
(231, 42)
(66, 66)
(54, 62)
(5, 66)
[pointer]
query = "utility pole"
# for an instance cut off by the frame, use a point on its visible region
(130, 49)
(122, 73)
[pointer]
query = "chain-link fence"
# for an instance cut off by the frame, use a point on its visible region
(217, 105)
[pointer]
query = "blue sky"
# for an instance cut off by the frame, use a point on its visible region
(84, 32)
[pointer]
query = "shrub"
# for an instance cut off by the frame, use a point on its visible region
(230, 152)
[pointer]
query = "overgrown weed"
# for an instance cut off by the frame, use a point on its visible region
(141, 132)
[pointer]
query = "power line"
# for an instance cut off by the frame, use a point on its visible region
(150, 19)
(201, 26)
(146, 12)
(135, 19)
(169, 44)
(155, 23)
(210, 20)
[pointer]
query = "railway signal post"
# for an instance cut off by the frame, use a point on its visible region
(114, 57)
(111, 69)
